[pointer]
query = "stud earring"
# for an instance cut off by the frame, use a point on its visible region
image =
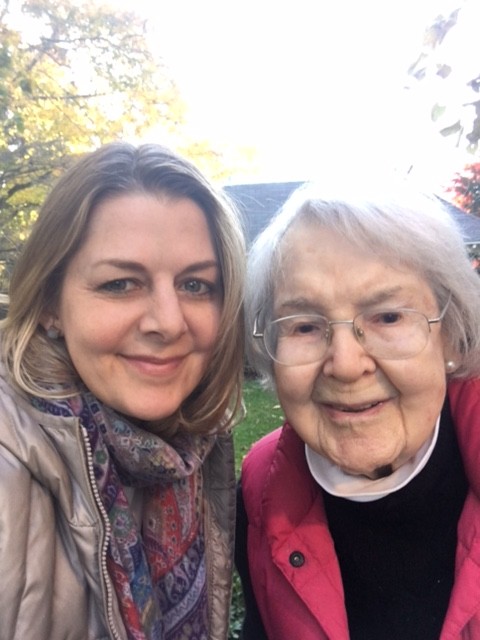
(450, 366)
(53, 333)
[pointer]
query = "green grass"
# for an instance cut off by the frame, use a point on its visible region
(263, 415)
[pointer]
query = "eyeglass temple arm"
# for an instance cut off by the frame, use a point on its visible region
(256, 333)
(442, 315)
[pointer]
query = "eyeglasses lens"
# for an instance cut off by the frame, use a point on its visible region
(390, 334)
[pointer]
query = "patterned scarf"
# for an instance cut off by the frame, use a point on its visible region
(157, 566)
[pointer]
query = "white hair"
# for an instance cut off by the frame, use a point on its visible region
(399, 226)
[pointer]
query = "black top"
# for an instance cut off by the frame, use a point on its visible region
(396, 554)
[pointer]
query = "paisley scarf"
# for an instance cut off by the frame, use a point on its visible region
(157, 565)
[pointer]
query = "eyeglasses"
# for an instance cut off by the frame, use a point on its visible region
(390, 334)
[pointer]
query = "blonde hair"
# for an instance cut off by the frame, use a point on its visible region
(41, 366)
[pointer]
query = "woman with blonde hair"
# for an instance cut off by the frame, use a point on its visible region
(120, 382)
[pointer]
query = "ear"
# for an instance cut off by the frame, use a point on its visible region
(47, 320)
(50, 322)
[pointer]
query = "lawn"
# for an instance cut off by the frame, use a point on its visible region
(263, 415)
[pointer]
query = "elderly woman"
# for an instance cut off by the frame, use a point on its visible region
(360, 518)
(121, 375)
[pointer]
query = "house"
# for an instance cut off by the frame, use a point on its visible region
(468, 223)
(259, 202)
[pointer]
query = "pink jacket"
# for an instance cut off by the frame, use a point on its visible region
(293, 565)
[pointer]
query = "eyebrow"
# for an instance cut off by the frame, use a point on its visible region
(382, 296)
(201, 266)
(299, 304)
(131, 265)
(303, 304)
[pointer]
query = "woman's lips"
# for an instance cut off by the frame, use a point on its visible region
(154, 366)
(355, 408)
(364, 409)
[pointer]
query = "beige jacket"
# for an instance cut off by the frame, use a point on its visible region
(54, 532)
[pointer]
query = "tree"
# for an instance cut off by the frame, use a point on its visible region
(457, 109)
(72, 76)
(465, 188)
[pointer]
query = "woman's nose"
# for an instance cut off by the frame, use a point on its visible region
(345, 358)
(163, 315)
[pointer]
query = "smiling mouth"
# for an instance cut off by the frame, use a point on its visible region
(153, 360)
(151, 366)
(356, 409)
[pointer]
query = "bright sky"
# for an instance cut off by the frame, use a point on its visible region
(312, 84)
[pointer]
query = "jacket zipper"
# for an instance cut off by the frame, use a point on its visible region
(107, 533)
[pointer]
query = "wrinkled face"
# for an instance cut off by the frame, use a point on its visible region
(140, 304)
(362, 413)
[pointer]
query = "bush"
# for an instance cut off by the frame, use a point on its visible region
(465, 189)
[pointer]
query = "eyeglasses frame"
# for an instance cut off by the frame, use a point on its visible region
(357, 332)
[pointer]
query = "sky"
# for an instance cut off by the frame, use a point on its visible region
(314, 86)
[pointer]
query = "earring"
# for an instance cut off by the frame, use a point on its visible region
(450, 366)
(53, 333)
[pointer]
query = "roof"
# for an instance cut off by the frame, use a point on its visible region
(258, 203)
(468, 223)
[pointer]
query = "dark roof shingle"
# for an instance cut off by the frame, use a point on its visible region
(258, 203)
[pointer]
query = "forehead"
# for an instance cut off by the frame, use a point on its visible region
(146, 229)
(145, 213)
(320, 266)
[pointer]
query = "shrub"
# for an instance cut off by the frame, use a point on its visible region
(465, 188)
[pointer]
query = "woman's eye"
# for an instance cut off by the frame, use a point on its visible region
(306, 328)
(387, 317)
(300, 329)
(198, 287)
(121, 285)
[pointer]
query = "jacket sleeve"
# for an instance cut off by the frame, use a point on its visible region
(252, 628)
(26, 517)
